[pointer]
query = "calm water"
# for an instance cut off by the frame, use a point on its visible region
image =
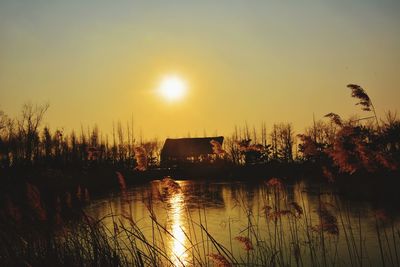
(263, 214)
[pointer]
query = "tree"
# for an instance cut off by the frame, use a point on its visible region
(286, 140)
(3, 121)
(47, 142)
(28, 124)
(282, 140)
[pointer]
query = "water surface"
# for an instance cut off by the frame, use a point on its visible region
(188, 219)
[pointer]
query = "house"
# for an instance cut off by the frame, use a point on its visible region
(186, 150)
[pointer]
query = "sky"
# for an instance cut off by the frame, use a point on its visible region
(98, 61)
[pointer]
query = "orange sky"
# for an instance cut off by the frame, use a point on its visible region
(97, 62)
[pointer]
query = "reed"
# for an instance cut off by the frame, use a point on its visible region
(282, 231)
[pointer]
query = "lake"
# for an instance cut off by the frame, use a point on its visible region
(193, 222)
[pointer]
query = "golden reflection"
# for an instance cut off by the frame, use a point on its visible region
(178, 244)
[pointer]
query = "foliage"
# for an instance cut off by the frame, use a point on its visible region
(353, 146)
(344, 146)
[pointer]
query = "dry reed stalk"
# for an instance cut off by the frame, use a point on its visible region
(68, 200)
(275, 215)
(12, 210)
(328, 174)
(33, 196)
(79, 193)
(57, 218)
(125, 210)
(86, 195)
(121, 181)
(328, 222)
(381, 215)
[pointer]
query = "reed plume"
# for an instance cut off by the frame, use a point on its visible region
(246, 146)
(343, 151)
(275, 215)
(217, 148)
(246, 242)
(364, 100)
(275, 183)
(359, 93)
(335, 118)
(141, 158)
(219, 260)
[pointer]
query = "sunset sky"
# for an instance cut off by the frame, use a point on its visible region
(101, 61)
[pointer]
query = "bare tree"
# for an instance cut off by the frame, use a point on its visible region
(3, 121)
(263, 134)
(28, 124)
(286, 140)
(121, 142)
(47, 142)
(274, 141)
(282, 140)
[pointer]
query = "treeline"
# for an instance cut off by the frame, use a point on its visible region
(23, 142)
(364, 145)
(339, 146)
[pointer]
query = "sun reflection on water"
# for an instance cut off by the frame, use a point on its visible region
(178, 250)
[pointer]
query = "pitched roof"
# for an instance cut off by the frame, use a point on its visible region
(187, 147)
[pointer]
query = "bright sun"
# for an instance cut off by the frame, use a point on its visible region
(172, 88)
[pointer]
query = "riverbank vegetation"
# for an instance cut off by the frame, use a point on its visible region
(338, 146)
(48, 177)
(285, 229)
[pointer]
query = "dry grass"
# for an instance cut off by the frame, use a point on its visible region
(282, 233)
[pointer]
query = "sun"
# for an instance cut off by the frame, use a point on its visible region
(172, 88)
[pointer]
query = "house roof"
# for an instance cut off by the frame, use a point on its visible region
(187, 147)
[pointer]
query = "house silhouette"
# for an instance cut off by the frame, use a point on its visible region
(188, 150)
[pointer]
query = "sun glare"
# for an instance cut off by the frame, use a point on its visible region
(172, 88)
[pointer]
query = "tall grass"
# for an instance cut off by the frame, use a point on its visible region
(283, 229)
